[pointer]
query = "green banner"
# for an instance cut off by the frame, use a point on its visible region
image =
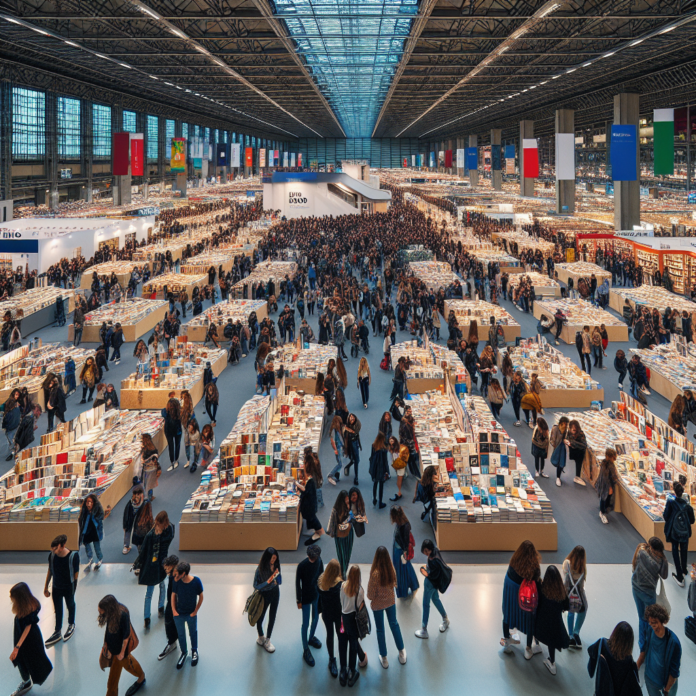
(663, 143)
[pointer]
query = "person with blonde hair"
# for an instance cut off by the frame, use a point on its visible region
(352, 599)
(364, 379)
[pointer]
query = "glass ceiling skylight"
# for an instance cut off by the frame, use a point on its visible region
(352, 48)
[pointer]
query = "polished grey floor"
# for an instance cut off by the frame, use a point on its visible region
(466, 659)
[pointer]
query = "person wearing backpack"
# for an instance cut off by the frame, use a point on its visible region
(438, 576)
(612, 666)
(649, 565)
(521, 598)
(64, 570)
(678, 516)
(403, 552)
(574, 576)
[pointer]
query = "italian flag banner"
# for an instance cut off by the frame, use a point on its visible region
(663, 141)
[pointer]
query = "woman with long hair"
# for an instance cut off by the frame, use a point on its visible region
(364, 379)
(606, 484)
(615, 654)
(329, 586)
(523, 568)
(380, 591)
(352, 599)
(89, 376)
(309, 489)
(649, 565)
(340, 375)
(341, 408)
(29, 653)
(425, 490)
(151, 468)
(172, 431)
(336, 440)
(212, 399)
(675, 420)
(207, 447)
(540, 446)
(340, 528)
(267, 580)
(91, 526)
(143, 354)
(548, 626)
(379, 469)
(118, 644)
(574, 578)
(577, 447)
(385, 425)
(402, 553)
(351, 438)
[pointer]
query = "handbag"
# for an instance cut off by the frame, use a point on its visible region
(362, 619)
(104, 661)
(662, 598)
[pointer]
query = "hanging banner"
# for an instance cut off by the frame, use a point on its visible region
(565, 156)
(509, 166)
(235, 156)
(262, 157)
(249, 157)
(510, 152)
(472, 158)
(292, 160)
(441, 158)
(120, 154)
(663, 141)
(137, 147)
(432, 160)
(413, 160)
(178, 155)
(530, 158)
(448, 158)
(624, 153)
(496, 158)
(221, 155)
(285, 159)
(460, 158)
(486, 160)
(299, 159)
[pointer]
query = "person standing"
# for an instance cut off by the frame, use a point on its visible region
(548, 626)
(172, 431)
(119, 642)
(380, 591)
(379, 469)
(336, 440)
(574, 578)
(308, 495)
(351, 438)
(340, 528)
(612, 665)
(91, 526)
(352, 600)
(364, 379)
(55, 404)
(607, 481)
(577, 448)
(187, 597)
(267, 581)
(402, 553)
(584, 346)
(89, 376)
(170, 563)
(307, 595)
(438, 576)
(649, 565)
(10, 422)
(540, 446)
(329, 591)
(149, 562)
(137, 515)
(63, 570)
(29, 654)
(678, 516)
(661, 654)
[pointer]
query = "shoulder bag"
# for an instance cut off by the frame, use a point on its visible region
(362, 618)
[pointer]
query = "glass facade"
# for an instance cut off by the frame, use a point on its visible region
(224, 136)
(68, 128)
(129, 125)
(184, 130)
(28, 124)
(169, 133)
(152, 137)
(101, 131)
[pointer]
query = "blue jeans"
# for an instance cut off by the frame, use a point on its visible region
(655, 690)
(306, 608)
(97, 550)
(393, 625)
(643, 601)
(431, 594)
(196, 454)
(575, 622)
(192, 623)
(148, 598)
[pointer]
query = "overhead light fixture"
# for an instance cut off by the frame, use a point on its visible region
(125, 65)
(555, 77)
(39, 31)
(543, 83)
(608, 55)
(570, 71)
(70, 43)
(664, 31)
(636, 42)
(154, 78)
(585, 65)
(533, 87)
(180, 34)
(9, 19)
(169, 83)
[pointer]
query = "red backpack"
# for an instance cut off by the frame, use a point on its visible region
(528, 597)
(411, 547)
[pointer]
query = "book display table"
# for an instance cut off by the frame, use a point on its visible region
(37, 307)
(580, 313)
(302, 363)
(523, 241)
(136, 316)
(174, 246)
(672, 368)
(97, 452)
(435, 274)
(236, 310)
(176, 283)
(121, 269)
(430, 363)
(542, 284)
(180, 369)
(508, 264)
(198, 265)
(263, 273)
(649, 296)
(581, 269)
(468, 310)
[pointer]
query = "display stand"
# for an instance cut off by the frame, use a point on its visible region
(176, 283)
(581, 269)
(131, 332)
(197, 328)
(38, 307)
(197, 265)
(466, 310)
(542, 284)
(501, 536)
(650, 297)
(615, 331)
(121, 269)
(301, 373)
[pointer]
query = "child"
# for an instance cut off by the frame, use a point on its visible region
(621, 366)
(70, 376)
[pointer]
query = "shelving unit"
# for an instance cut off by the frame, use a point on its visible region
(676, 265)
(649, 261)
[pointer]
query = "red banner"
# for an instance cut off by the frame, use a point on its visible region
(448, 158)
(531, 158)
(299, 159)
(120, 154)
(137, 147)
(249, 157)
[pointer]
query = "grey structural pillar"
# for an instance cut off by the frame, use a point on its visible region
(526, 185)
(473, 173)
(497, 174)
(626, 193)
(565, 190)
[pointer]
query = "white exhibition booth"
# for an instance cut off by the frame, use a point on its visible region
(42, 242)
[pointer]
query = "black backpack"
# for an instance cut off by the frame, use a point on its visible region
(681, 526)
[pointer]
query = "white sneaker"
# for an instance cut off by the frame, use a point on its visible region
(23, 688)
(620, 386)
(383, 661)
(88, 567)
(507, 645)
(551, 666)
(170, 467)
(579, 481)
(544, 475)
(558, 482)
(268, 646)
(677, 580)
(603, 517)
(402, 656)
(528, 654)
(517, 423)
(98, 565)
(422, 633)
(260, 640)
(645, 390)
(536, 474)
(444, 625)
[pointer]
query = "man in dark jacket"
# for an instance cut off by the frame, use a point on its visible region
(117, 341)
(25, 432)
(307, 595)
(107, 338)
(10, 422)
(438, 576)
(363, 335)
(639, 376)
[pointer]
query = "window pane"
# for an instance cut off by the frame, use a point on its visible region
(101, 131)
(184, 130)
(217, 136)
(129, 122)
(68, 128)
(206, 136)
(224, 136)
(196, 131)
(28, 124)
(170, 131)
(152, 137)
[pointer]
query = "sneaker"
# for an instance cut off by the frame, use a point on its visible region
(147, 624)
(126, 549)
(603, 517)
(620, 386)
(169, 648)
(332, 481)
(444, 625)
(88, 567)
(188, 463)
(551, 666)
(182, 659)
(160, 612)
(543, 475)
(645, 390)
(135, 686)
(507, 645)
(383, 661)
(528, 654)
(343, 677)
(194, 658)
(9, 457)
(536, 648)
(53, 639)
(677, 580)
(353, 676)
(268, 646)
(572, 643)
(578, 642)
(579, 481)
(363, 663)
(260, 640)
(536, 474)
(23, 688)
(69, 633)
(518, 424)
(315, 643)
(170, 467)
(422, 633)
(98, 565)
(558, 482)
(402, 656)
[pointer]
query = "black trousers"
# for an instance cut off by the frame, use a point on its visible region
(332, 626)
(349, 648)
(378, 488)
(58, 596)
(270, 605)
(679, 554)
(169, 625)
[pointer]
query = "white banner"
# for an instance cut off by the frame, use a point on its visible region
(285, 159)
(460, 158)
(262, 157)
(565, 157)
(292, 159)
(236, 154)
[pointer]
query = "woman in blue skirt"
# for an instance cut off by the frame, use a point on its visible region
(406, 578)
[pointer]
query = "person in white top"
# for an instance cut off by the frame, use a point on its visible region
(352, 600)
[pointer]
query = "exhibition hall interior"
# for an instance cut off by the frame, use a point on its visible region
(347, 344)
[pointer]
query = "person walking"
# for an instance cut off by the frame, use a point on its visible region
(661, 654)
(540, 446)
(307, 594)
(352, 600)
(28, 654)
(137, 519)
(336, 440)
(496, 396)
(517, 390)
(574, 577)
(149, 562)
(340, 529)
(438, 576)
(91, 526)
(606, 484)
(649, 565)
(679, 517)
(212, 399)
(329, 590)
(548, 626)
(402, 553)
(583, 342)
(577, 448)
(309, 488)
(11, 419)
(611, 663)
(364, 379)
(63, 572)
(558, 446)
(380, 592)
(119, 642)
(172, 431)
(187, 598)
(89, 376)
(267, 581)
(351, 438)
(399, 455)
(170, 563)
(379, 469)
(149, 461)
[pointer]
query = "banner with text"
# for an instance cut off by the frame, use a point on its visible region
(624, 153)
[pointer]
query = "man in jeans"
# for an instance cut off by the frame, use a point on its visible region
(307, 595)
(187, 597)
(64, 569)
(438, 576)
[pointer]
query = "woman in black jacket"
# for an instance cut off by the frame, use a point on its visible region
(379, 469)
(329, 585)
(110, 398)
(55, 405)
(172, 431)
(150, 562)
(308, 494)
(616, 671)
(577, 447)
(549, 628)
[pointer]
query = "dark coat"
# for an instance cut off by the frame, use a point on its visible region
(154, 549)
(549, 628)
(25, 433)
(613, 677)
(330, 603)
(32, 655)
(379, 467)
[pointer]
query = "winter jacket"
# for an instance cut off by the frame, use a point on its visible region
(154, 549)
(612, 677)
(25, 433)
(379, 466)
(11, 419)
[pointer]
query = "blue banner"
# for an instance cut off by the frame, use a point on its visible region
(509, 152)
(222, 154)
(472, 158)
(496, 162)
(691, 198)
(624, 153)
